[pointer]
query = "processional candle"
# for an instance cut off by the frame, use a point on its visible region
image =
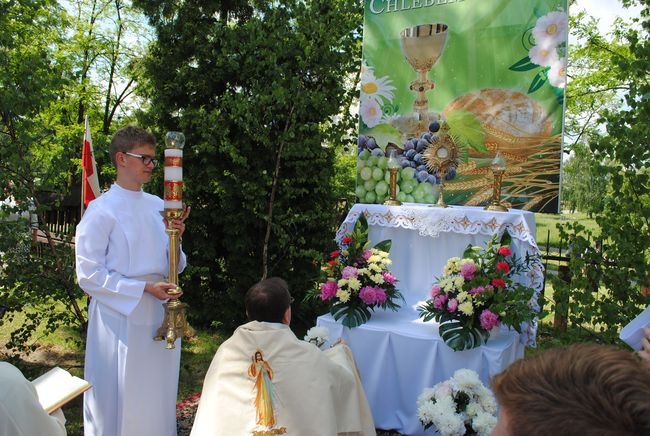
(174, 170)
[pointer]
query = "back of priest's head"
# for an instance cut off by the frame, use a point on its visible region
(268, 300)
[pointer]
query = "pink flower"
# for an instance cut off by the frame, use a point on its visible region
(503, 266)
(498, 283)
(349, 272)
(452, 305)
(439, 301)
(380, 295)
(488, 320)
(368, 295)
(389, 278)
(477, 290)
(328, 290)
(366, 255)
(435, 291)
(505, 251)
(467, 270)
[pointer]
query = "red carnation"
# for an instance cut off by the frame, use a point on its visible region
(503, 267)
(505, 251)
(346, 240)
(498, 283)
(331, 263)
(334, 254)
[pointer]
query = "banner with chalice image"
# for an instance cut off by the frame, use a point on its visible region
(448, 84)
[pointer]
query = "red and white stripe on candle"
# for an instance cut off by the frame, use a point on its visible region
(173, 178)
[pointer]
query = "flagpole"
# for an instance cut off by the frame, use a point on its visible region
(83, 171)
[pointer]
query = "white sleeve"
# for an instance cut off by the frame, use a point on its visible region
(91, 245)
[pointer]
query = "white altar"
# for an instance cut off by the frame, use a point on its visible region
(398, 355)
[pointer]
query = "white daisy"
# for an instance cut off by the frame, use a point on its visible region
(370, 112)
(551, 29)
(377, 89)
(542, 55)
(557, 73)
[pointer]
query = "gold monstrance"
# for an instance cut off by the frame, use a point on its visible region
(174, 324)
(441, 156)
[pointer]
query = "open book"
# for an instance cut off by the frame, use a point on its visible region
(57, 386)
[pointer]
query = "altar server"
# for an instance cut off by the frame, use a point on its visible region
(264, 380)
(122, 263)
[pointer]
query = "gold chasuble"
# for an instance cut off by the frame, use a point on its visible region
(264, 381)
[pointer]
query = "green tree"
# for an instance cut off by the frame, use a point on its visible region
(584, 181)
(607, 276)
(257, 88)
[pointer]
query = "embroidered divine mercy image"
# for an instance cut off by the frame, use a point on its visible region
(265, 397)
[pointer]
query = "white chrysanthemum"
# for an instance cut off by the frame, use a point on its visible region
(379, 253)
(484, 424)
(487, 401)
(426, 412)
(446, 285)
(459, 281)
(375, 258)
(363, 271)
(467, 308)
(342, 283)
(377, 89)
(473, 409)
(467, 379)
(542, 55)
(551, 29)
(370, 112)
(452, 266)
(462, 296)
(317, 335)
(443, 389)
(354, 284)
(557, 73)
(377, 279)
(426, 396)
(343, 295)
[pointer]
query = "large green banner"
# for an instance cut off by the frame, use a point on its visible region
(481, 77)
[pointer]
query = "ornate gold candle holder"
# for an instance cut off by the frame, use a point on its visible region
(393, 168)
(174, 324)
(498, 167)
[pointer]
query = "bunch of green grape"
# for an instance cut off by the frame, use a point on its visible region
(373, 179)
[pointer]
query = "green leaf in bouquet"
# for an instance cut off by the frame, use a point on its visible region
(353, 316)
(384, 245)
(459, 337)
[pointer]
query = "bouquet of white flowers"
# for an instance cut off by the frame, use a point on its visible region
(459, 406)
(317, 336)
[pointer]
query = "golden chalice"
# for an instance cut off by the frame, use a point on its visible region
(422, 46)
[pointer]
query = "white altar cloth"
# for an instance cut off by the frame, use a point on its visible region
(397, 354)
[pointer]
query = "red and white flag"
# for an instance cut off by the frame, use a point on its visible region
(90, 184)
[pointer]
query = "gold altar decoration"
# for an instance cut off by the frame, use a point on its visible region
(174, 324)
(498, 167)
(393, 168)
(422, 46)
(441, 156)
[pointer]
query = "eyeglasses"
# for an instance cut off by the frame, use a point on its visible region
(145, 159)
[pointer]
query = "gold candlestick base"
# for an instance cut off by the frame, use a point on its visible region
(392, 186)
(174, 324)
(497, 207)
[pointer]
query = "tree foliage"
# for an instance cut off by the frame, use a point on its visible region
(257, 88)
(609, 276)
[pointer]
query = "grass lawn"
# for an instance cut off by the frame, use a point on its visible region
(549, 235)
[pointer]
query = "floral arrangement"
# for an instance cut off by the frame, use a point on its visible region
(478, 293)
(356, 278)
(458, 406)
(317, 336)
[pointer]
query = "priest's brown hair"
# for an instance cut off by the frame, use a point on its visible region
(582, 389)
(267, 300)
(127, 138)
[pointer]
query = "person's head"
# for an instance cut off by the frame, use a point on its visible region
(581, 389)
(133, 152)
(269, 300)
